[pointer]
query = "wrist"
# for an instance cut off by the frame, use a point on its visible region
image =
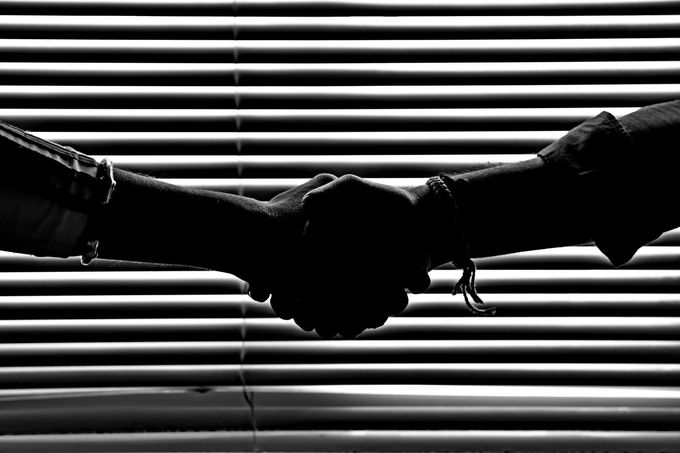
(88, 243)
(232, 235)
(436, 225)
(151, 221)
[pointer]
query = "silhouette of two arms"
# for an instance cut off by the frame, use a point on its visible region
(338, 254)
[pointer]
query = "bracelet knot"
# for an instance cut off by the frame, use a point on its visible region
(461, 259)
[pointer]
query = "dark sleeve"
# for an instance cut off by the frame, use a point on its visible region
(626, 171)
(610, 181)
(47, 193)
(517, 207)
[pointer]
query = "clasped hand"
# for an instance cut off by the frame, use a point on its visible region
(342, 253)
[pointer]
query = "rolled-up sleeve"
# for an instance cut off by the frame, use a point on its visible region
(47, 193)
(626, 174)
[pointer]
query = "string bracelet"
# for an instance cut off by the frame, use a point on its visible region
(461, 254)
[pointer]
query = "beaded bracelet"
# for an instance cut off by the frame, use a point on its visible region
(461, 258)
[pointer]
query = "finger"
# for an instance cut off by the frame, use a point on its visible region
(351, 189)
(329, 195)
(379, 306)
(353, 320)
(257, 292)
(350, 331)
(378, 321)
(331, 310)
(376, 316)
(305, 313)
(313, 312)
(317, 181)
(328, 320)
(418, 282)
(284, 305)
(304, 321)
(397, 303)
(326, 331)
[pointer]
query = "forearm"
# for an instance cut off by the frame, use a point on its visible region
(148, 220)
(510, 208)
(520, 207)
(612, 182)
(55, 201)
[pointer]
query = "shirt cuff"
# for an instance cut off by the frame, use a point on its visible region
(600, 159)
(47, 193)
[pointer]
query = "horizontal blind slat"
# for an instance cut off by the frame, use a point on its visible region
(463, 373)
(465, 440)
(421, 305)
(118, 417)
(637, 278)
(492, 280)
(51, 96)
(337, 440)
(124, 410)
(338, 27)
(136, 306)
(532, 327)
(405, 328)
(352, 352)
(464, 142)
(351, 51)
(338, 74)
(492, 417)
(121, 7)
(387, 395)
(580, 257)
(122, 282)
(543, 280)
(357, 7)
(487, 351)
(551, 304)
(449, 373)
(269, 120)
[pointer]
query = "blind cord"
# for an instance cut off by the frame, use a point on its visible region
(248, 396)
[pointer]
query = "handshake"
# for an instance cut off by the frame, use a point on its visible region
(339, 253)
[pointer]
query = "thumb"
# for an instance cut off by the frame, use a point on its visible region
(329, 195)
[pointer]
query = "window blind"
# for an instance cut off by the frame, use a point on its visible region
(254, 96)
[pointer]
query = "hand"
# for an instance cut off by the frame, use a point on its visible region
(281, 243)
(368, 226)
(363, 246)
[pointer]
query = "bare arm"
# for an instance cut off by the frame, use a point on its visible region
(148, 220)
(55, 201)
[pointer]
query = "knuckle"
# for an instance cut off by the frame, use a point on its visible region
(325, 178)
(350, 180)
